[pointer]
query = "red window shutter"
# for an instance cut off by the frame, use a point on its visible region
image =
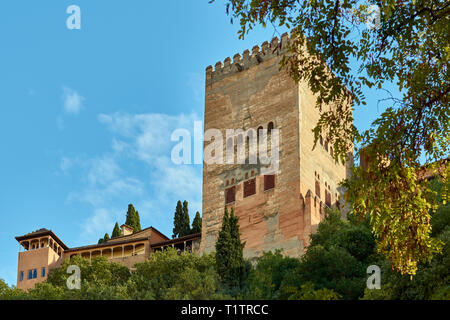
(269, 182)
(230, 195)
(249, 187)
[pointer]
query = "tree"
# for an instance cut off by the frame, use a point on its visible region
(116, 231)
(133, 219)
(181, 220)
(339, 50)
(186, 228)
(230, 262)
(138, 222)
(103, 240)
(197, 223)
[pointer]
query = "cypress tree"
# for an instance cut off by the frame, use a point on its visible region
(116, 231)
(186, 228)
(230, 262)
(137, 228)
(197, 223)
(177, 220)
(106, 237)
(131, 217)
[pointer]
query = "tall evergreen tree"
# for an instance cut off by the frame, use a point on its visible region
(138, 222)
(197, 223)
(230, 262)
(186, 226)
(133, 219)
(178, 220)
(106, 237)
(116, 231)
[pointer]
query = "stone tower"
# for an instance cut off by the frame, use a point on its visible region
(280, 210)
(43, 250)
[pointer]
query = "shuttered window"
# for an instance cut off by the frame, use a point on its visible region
(328, 198)
(318, 189)
(269, 182)
(249, 187)
(230, 195)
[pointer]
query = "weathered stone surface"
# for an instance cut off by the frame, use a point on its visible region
(249, 96)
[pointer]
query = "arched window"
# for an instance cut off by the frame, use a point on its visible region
(269, 127)
(259, 133)
(229, 143)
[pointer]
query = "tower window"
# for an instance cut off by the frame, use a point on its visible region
(43, 272)
(269, 127)
(269, 182)
(230, 195)
(259, 133)
(30, 274)
(34, 274)
(249, 187)
(328, 198)
(317, 189)
(21, 276)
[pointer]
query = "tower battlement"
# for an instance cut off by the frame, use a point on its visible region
(248, 59)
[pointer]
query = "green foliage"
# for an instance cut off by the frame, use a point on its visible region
(116, 231)
(104, 239)
(168, 275)
(230, 263)
(337, 53)
(308, 293)
(332, 268)
(133, 219)
(137, 226)
(181, 221)
(265, 279)
(197, 223)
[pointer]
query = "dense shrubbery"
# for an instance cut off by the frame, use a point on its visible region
(334, 267)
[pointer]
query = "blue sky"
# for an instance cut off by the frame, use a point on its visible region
(86, 115)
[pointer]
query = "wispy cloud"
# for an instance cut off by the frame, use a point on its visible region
(142, 141)
(72, 100)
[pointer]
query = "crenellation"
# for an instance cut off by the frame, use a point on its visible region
(248, 59)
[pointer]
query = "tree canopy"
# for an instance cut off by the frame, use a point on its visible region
(342, 47)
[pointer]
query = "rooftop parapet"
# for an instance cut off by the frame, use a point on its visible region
(247, 59)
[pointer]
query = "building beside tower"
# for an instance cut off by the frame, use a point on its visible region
(277, 209)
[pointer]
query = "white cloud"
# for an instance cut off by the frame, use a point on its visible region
(72, 100)
(138, 141)
(97, 225)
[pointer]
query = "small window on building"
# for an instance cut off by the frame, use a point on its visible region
(331, 151)
(249, 187)
(246, 175)
(270, 127)
(326, 145)
(230, 195)
(259, 133)
(34, 273)
(269, 182)
(21, 276)
(229, 143)
(43, 272)
(30, 274)
(321, 140)
(317, 188)
(328, 199)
